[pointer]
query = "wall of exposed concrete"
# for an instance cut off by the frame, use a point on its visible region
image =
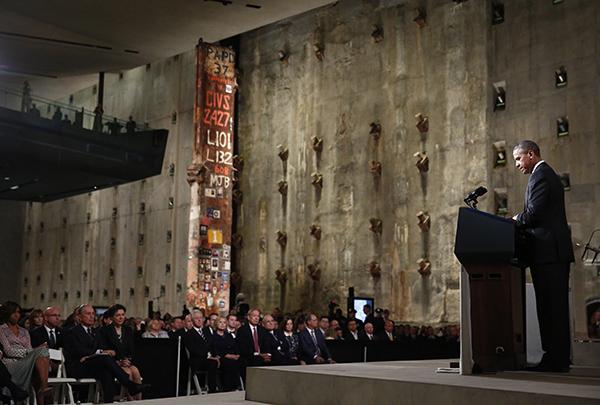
(439, 70)
(12, 214)
(444, 70)
(79, 274)
(536, 39)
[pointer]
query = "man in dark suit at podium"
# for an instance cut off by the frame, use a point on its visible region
(550, 253)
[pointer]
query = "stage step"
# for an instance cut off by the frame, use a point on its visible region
(416, 382)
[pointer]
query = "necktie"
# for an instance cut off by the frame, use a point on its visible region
(52, 339)
(90, 332)
(255, 339)
(314, 338)
(201, 333)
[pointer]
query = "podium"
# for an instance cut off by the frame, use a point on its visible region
(492, 293)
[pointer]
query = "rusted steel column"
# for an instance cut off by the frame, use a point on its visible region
(211, 179)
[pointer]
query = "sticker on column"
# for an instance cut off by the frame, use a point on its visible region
(215, 236)
(210, 192)
(213, 213)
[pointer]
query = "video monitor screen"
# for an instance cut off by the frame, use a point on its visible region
(359, 303)
(100, 310)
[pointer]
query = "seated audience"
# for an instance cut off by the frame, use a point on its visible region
(16, 394)
(187, 323)
(36, 319)
(50, 333)
(352, 316)
(198, 345)
(154, 330)
(368, 334)
(232, 324)
(388, 334)
(300, 323)
(19, 357)
(352, 333)
(291, 337)
(249, 337)
(312, 343)
(119, 338)
(84, 358)
(324, 325)
(176, 329)
(274, 344)
(210, 327)
(224, 347)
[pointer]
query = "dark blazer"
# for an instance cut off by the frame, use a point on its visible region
(222, 345)
(108, 339)
(348, 336)
(383, 337)
(77, 344)
(276, 345)
(197, 346)
(544, 218)
(40, 336)
(308, 350)
(245, 341)
(362, 336)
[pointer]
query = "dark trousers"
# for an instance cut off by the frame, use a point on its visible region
(252, 361)
(230, 372)
(210, 367)
(5, 378)
(551, 285)
(104, 369)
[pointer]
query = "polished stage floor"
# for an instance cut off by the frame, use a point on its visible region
(404, 382)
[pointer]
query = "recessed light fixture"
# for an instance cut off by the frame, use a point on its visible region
(14, 187)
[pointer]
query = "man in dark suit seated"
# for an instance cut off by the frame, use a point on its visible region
(367, 335)
(275, 344)
(388, 334)
(177, 328)
(197, 343)
(249, 337)
(50, 332)
(313, 349)
(351, 334)
(550, 253)
(83, 358)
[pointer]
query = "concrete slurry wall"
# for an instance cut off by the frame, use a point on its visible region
(12, 214)
(440, 71)
(536, 39)
(150, 94)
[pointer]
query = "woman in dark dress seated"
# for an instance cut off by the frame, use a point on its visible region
(288, 330)
(224, 346)
(119, 338)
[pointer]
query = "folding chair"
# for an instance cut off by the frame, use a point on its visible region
(63, 393)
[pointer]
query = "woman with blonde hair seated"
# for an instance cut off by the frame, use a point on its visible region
(19, 357)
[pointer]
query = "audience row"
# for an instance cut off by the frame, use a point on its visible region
(103, 347)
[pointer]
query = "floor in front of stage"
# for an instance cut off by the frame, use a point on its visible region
(403, 382)
(416, 382)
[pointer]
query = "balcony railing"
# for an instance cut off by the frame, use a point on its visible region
(35, 107)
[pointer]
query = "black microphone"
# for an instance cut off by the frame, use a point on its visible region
(473, 195)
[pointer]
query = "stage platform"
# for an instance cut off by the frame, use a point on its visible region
(416, 382)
